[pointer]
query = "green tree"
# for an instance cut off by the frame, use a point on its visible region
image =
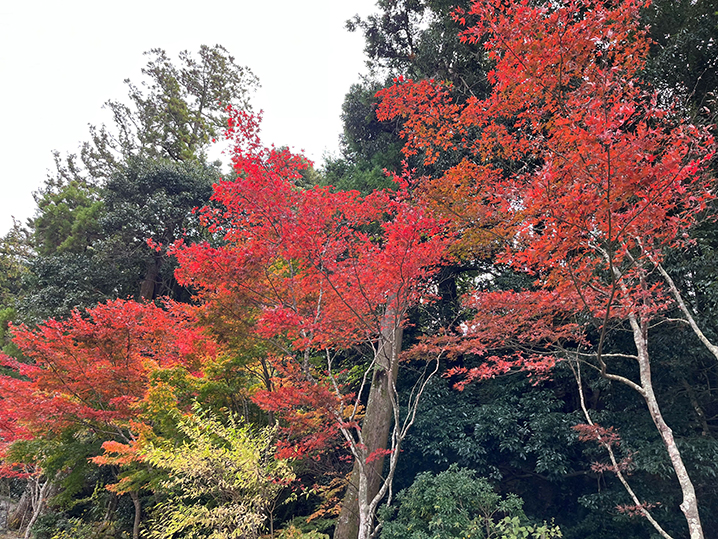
(136, 180)
(421, 39)
(456, 504)
(152, 200)
(173, 114)
(222, 481)
(143, 200)
(67, 218)
(15, 251)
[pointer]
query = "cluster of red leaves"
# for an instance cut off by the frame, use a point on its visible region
(507, 335)
(378, 454)
(314, 266)
(626, 465)
(597, 433)
(608, 438)
(530, 328)
(305, 270)
(311, 410)
(537, 366)
(636, 510)
(571, 169)
(93, 369)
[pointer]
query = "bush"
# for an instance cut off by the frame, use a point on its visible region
(456, 504)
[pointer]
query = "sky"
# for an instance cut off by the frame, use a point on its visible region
(61, 60)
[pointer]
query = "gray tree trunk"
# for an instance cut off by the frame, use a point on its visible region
(39, 493)
(689, 505)
(138, 514)
(375, 429)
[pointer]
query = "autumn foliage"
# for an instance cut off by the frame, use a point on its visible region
(571, 170)
(93, 370)
(572, 176)
(306, 272)
(313, 266)
(307, 406)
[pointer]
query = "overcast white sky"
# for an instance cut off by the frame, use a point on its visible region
(60, 60)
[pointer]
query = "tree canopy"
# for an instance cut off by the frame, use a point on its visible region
(492, 315)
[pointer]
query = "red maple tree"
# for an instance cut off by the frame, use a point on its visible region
(571, 172)
(95, 366)
(312, 273)
(90, 373)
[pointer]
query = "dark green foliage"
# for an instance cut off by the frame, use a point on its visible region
(420, 39)
(143, 200)
(15, 252)
(684, 56)
(391, 35)
(365, 137)
(135, 181)
(153, 200)
(80, 504)
(65, 460)
(506, 429)
(370, 148)
(520, 435)
(55, 285)
(527, 423)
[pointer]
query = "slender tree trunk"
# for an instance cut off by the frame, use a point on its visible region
(375, 429)
(138, 514)
(38, 492)
(689, 505)
(614, 462)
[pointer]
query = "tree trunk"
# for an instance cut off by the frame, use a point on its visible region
(38, 493)
(375, 429)
(689, 506)
(147, 287)
(17, 517)
(138, 514)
